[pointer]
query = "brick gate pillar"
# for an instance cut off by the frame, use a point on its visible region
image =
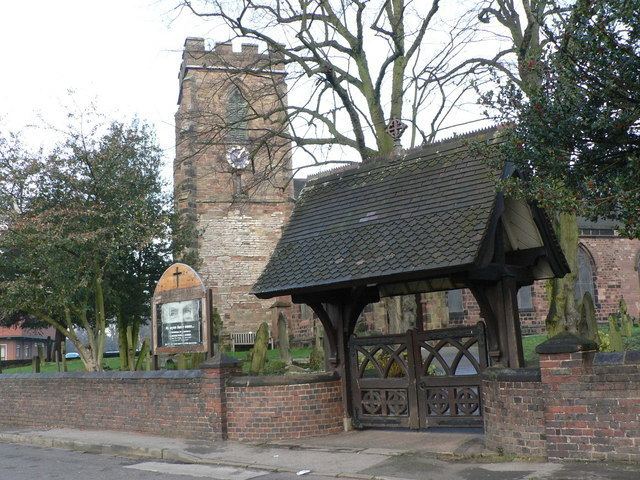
(565, 364)
(216, 371)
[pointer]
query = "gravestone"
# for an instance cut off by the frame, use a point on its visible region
(283, 339)
(588, 325)
(259, 350)
(181, 319)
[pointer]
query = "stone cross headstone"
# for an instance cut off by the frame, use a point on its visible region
(626, 322)
(180, 313)
(588, 326)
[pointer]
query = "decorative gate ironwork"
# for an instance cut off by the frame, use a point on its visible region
(419, 379)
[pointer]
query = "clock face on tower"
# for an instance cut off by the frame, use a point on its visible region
(238, 157)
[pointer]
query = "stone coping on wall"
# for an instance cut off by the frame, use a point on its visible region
(108, 375)
(501, 374)
(630, 357)
(271, 380)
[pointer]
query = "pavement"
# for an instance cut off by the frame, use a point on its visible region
(369, 454)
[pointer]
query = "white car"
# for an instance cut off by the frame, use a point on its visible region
(71, 355)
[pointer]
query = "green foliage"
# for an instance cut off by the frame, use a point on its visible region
(577, 137)
(89, 231)
(604, 341)
(274, 367)
(316, 359)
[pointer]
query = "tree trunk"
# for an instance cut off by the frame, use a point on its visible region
(123, 348)
(563, 314)
(396, 321)
(437, 310)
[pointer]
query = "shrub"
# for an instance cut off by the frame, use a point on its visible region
(604, 342)
(316, 360)
(274, 367)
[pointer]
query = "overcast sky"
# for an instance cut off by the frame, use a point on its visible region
(125, 54)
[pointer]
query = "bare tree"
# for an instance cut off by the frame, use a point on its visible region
(351, 66)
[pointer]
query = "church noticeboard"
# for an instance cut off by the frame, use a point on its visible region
(180, 317)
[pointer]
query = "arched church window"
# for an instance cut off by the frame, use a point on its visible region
(585, 281)
(525, 298)
(237, 109)
(455, 301)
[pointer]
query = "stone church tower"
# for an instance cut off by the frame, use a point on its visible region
(231, 178)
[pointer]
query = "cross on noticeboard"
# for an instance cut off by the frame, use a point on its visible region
(396, 128)
(177, 274)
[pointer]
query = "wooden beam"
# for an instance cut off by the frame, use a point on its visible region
(510, 319)
(339, 316)
(526, 257)
(487, 312)
(330, 331)
(494, 272)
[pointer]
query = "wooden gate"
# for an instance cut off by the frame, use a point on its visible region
(418, 379)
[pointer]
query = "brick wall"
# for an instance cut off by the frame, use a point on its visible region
(193, 404)
(592, 405)
(616, 274)
(159, 403)
(586, 406)
(259, 411)
(514, 412)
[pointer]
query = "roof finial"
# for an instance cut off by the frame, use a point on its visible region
(395, 129)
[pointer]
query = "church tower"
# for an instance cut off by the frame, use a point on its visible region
(231, 175)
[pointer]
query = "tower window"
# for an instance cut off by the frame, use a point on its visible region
(525, 298)
(237, 109)
(455, 301)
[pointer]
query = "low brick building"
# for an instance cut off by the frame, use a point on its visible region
(17, 343)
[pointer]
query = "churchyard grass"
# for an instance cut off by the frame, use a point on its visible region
(529, 343)
(73, 365)
(113, 363)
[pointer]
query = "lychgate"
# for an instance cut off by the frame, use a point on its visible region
(430, 219)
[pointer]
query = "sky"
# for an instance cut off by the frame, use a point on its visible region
(122, 55)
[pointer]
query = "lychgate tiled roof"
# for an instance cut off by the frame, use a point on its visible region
(426, 211)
